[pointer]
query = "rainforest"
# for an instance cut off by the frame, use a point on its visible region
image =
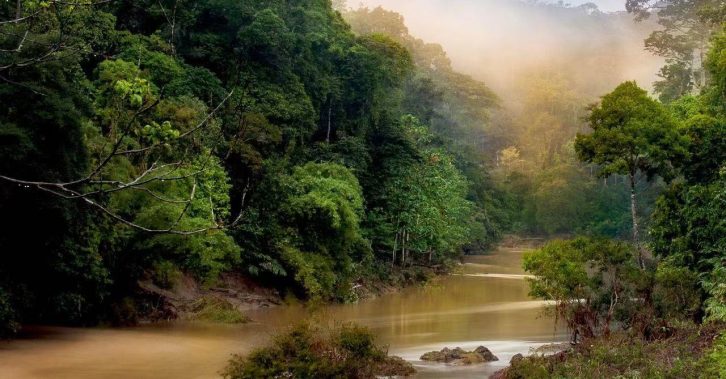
(323, 189)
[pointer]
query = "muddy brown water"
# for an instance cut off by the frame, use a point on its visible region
(485, 304)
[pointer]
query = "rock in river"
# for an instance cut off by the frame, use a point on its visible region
(516, 358)
(459, 356)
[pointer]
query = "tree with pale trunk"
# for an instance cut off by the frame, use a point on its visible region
(632, 135)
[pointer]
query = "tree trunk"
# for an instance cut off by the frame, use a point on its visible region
(408, 235)
(634, 215)
(395, 247)
(330, 111)
(403, 248)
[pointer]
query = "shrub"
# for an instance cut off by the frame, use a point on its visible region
(165, 274)
(308, 352)
(676, 293)
(592, 281)
(213, 309)
(715, 361)
(690, 352)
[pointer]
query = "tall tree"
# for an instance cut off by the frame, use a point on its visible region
(631, 134)
(683, 41)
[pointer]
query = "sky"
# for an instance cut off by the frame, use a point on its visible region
(604, 5)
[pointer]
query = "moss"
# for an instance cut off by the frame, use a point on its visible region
(306, 351)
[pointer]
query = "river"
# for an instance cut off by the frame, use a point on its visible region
(485, 303)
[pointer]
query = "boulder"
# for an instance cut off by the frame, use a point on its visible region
(459, 356)
(457, 353)
(516, 359)
(486, 354)
(434, 356)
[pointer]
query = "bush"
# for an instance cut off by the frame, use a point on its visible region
(165, 274)
(676, 293)
(308, 352)
(592, 281)
(213, 309)
(690, 352)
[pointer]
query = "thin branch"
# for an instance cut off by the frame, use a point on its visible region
(30, 61)
(185, 134)
(242, 205)
(20, 44)
(172, 23)
(186, 207)
(29, 88)
(148, 230)
(119, 141)
(63, 190)
(130, 223)
(20, 19)
(157, 196)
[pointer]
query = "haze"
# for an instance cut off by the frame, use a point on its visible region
(501, 41)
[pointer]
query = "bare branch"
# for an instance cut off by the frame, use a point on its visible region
(20, 44)
(187, 133)
(118, 142)
(186, 207)
(154, 173)
(29, 88)
(122, 220)
(20, 19)
(172, 23)
(158, 197)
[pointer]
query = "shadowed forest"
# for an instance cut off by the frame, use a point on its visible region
(328, 152)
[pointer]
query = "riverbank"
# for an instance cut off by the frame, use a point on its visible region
(187, 298)
(686, 351)
(457, 310)
(233, 296)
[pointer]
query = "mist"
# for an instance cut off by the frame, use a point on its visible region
(502, 42)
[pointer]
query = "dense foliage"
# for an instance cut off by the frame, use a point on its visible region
(593, 282)
(548, 190)
(688, 222)
(596, 282)
(313, 151)
(458, 111)
(140, 138)
(532, 182)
